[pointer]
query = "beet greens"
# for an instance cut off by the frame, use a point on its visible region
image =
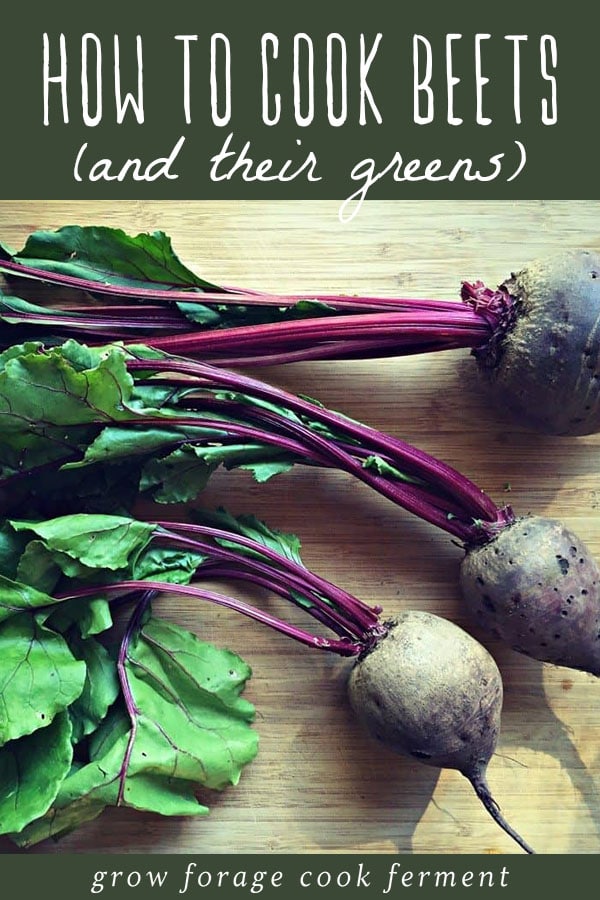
(171, 422)
(140, 749)
(113, 287)
(534, 337)
(90, 720)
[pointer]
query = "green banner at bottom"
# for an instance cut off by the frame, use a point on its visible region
(166, 876)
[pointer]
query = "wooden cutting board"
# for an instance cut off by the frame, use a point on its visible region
(319, 784)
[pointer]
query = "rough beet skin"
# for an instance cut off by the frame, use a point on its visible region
(431, 691)
(537, 587)
(545, 369)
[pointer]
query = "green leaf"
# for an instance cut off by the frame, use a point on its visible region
(168, 564)
(90, 615)
(37, 567)
(57, 562)
(115, 726)
(31, 772)
(248, 400)
(52, 402)
(20, 451)
(11, 550)
(263, 471)
(230, 315)
(193, 718)
(171, 397)
(15, 597)
(17, 350)
(178, 477)
(58, 393)
(96, 541)
(313, 308)
(92, 548)
(384, 468)
(110, 488)
(12, 309)
(183, 474)
(101, 549)
(200, 314)
(100, 689)
(192, 729)
(58, 821)
(115, 443)
(82, 408)
(89, 790)
(111, 256)
(39, 676)
(86, 791)
(286, 544)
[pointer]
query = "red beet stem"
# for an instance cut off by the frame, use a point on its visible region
(343, 647)
(345, 609)
(485, 515)
(458, 326)
(226, 295)
(356, 326)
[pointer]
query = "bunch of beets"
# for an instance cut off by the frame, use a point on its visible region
(120, 380)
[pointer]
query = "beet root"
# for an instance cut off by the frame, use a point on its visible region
(537, 587)
(545, 369)
(431, 691)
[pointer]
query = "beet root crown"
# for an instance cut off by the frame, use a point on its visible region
(542, 364)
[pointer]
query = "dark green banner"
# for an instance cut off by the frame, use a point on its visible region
(166, 877)
(237, 100)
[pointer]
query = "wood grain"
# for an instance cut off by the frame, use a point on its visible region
(319, 784)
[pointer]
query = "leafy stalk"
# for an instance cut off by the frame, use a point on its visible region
(98, 554)
(171, 422)
(343, 647)
(176, 720)
(127, 288)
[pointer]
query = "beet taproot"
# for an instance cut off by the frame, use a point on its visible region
(430, 691)
(545, 603)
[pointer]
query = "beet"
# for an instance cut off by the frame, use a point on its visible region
(431, 691)
(535, 337)
(537, 587)
(422, 684)
(544, 369)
